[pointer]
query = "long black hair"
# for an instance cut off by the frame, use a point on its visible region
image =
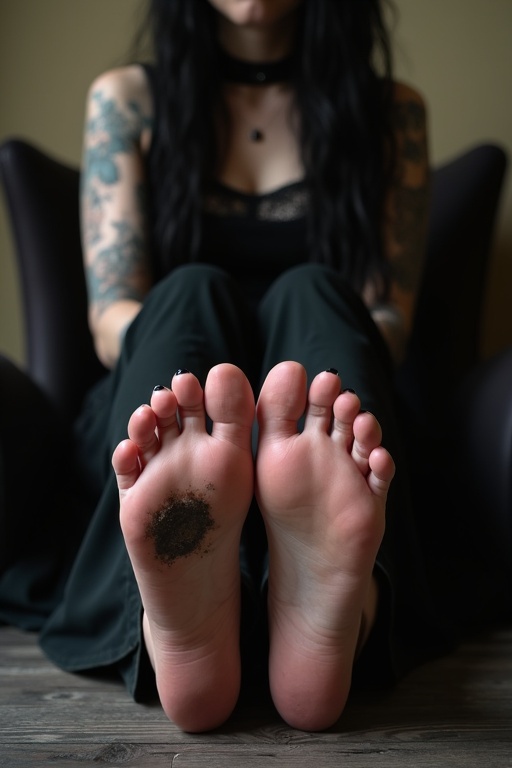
(343, 94)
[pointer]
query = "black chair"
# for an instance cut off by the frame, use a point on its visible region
(445, 340)
(42, 199)
(42, 196)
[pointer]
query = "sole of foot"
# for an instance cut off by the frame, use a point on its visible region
(184, 495)
(322, 493)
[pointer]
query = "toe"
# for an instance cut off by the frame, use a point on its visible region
(323, 391)
(141, 430)
(367, 436)
(346, 408)
(190, 399)
(125, 461)
(282, 401)
(382, 471)
(229, 403)
(164, 405)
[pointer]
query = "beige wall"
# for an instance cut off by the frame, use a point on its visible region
(50, 51)
(458, 52)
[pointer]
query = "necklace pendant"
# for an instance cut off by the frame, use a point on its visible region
(256, 135)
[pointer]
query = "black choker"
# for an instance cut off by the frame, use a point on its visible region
(251, 73)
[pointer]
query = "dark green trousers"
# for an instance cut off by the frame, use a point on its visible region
(196, 317)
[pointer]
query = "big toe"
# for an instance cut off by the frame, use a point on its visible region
(282, 400)
(229, 402)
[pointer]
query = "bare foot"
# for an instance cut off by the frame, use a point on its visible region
(184, 495)
(322, 494)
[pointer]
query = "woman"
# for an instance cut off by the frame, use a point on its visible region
(254, 211)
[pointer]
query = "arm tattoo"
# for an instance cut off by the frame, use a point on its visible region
(409, 118)
(111, 132)
(409, 234)
(115, 271)
(409, 125)
(409, 200)
(113, 275)
(116, 132)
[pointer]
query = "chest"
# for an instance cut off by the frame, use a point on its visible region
(258, 133)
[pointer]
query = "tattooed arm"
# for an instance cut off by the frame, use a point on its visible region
(117, 133)
(405, 222)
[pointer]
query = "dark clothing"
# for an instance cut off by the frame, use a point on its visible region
(196, 317)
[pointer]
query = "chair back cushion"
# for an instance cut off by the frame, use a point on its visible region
(42, 195)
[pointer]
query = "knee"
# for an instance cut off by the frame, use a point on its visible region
(187, 285)
(307, 279)
(191, 277)
(305, 274)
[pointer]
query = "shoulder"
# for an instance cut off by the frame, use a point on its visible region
(120, 103)
(124, 85)
(405, 93)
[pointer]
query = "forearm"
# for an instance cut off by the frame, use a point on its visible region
(108, 329)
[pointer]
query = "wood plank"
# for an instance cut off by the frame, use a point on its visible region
(420, 756)
(460, 757)
(147, 756)
(456, 711)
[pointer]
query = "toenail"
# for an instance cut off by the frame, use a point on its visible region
(332, 370)
(352, 391)
(158, 388)
(180, 371)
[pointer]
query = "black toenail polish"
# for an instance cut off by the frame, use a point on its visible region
(158, 388)
(180, 371)
(352, 391)
(332, 370)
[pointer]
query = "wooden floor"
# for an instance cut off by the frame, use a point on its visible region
(454, 712)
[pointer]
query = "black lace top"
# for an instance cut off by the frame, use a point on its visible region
(255, 237)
